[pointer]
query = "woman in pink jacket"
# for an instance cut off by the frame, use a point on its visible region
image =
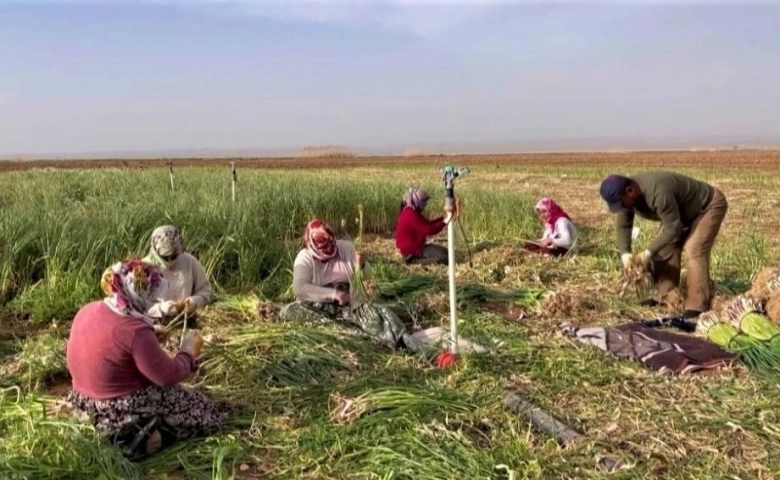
(123, 380)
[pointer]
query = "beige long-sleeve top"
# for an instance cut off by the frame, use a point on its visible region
(186, 279)
(309, 273)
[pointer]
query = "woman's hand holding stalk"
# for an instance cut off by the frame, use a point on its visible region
(360, 260)
(171, 308)
(192, 343)
(452, 210)
(162, 333)
(371, 289)
(189, 306)
(341, 298)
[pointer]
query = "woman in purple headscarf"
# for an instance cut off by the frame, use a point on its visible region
(413, 229)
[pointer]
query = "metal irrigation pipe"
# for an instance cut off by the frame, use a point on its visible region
(549, 425)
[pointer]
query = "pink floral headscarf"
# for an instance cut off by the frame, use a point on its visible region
(320, 240)
(131, 287)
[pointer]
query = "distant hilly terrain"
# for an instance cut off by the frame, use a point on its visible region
(421, 148)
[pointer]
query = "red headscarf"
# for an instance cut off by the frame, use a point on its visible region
(320, 240)
(556, 212)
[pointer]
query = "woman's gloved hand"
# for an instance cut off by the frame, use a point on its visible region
(190, 305)
(192, 343)
(646, 258)
(161, 333)
(341, 298)
(170, 308)
(626, 260)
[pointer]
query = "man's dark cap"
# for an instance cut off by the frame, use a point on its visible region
(612, 189)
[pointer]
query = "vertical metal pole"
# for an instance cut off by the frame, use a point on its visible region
(234, 180)
(453, 297)
(170, 173)
(449, 186)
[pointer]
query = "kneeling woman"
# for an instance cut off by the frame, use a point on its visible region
(413, 229)
(559, 231)
(323, 276)
(123, 379)
(188, 285)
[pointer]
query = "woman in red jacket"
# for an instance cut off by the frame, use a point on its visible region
(413, 229)
(123, 379)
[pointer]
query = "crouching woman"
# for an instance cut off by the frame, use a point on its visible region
(323, 283)
(123, 380)
(189, 288)
(413, 229)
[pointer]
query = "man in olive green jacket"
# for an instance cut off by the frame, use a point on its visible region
(690, 212)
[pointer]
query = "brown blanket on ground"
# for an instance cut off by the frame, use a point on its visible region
(659, 350)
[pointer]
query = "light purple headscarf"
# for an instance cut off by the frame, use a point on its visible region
(416, 198)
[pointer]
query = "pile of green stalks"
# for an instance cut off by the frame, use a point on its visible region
(405, 286)
(281, 364)
(243, 307)
(36, 443)
(395, 403)
(39, 361)
(475, 293)
(746, 331)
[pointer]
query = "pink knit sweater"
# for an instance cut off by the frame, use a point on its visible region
(110, 355)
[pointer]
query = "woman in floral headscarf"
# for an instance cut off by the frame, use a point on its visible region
(413, 229)
(323, 276)
(123, 380)
(559, 231)
(188, 286)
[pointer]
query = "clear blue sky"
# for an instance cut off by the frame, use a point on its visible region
(80, 76)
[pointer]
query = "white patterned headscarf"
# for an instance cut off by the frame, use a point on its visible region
(166, 245)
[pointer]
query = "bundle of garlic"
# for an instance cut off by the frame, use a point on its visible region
(635, 276)
(772, 306)
(761, 289)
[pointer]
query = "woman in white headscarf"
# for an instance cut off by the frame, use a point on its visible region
(188, 285)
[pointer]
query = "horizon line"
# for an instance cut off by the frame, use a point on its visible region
(112, 157)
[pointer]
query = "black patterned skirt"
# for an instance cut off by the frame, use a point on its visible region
(176, 412)
(379, 322)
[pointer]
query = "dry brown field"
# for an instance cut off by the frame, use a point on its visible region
(728, 159)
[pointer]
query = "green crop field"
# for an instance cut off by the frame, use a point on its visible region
(60, 229)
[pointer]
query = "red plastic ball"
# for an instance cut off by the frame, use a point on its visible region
(446, 360)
